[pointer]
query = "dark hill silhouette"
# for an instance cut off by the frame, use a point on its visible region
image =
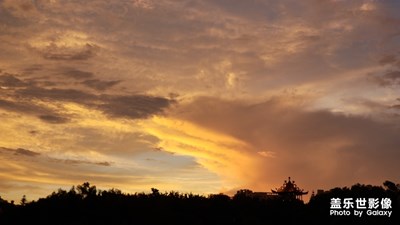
(85, 204)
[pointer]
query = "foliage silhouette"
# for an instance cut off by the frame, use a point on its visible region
(85, 204)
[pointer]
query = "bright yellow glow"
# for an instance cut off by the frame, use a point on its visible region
(219, 153)
(95, 119)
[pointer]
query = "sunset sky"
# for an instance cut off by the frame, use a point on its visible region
(201, 96)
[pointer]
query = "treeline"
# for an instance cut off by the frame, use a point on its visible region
(85, 204)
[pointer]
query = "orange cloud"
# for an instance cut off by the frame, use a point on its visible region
(222, 154)
(319, 148)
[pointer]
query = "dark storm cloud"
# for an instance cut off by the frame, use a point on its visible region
(30, 153)
(25, 152)
(43, 113)
(53, 119)
(24, 91)
(21, 103)
(6, 17)
(9, 80)
(134, 106)
(33, 69)
(54, 52)
(20, 152)
(341, 147)
(393, 75)
(23, 6)
(75, 162)
(103, 163)
(390, 78)
(23, 107)
(129, 106)
(12, 106)
(12, 81)
(76, 74)
(100, 85)
(71, 95)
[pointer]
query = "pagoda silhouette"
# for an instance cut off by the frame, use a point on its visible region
(289, 190)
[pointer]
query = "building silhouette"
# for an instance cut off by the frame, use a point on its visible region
(289, 190)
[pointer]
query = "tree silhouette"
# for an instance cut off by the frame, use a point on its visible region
(85, 190)
(23, 200)
(391, 186)
(85, 205)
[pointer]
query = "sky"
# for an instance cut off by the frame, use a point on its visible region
(202, 96)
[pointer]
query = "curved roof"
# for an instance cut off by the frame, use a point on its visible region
(289, 187)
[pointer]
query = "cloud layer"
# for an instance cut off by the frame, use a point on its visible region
(318, 147)
(187, 94)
